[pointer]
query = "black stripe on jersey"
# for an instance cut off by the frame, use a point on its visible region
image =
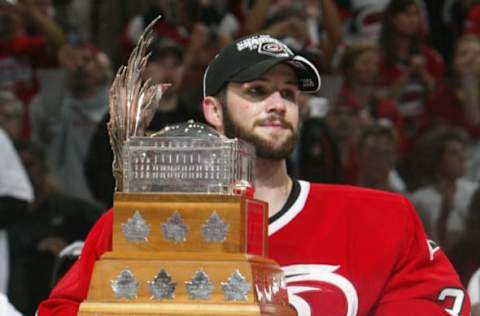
(292, 197)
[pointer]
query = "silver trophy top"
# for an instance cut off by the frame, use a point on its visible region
(188, 157)
(132, 102)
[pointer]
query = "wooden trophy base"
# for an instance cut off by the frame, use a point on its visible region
(240, 280)
(266, 298)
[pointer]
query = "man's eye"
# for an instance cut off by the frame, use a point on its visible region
(288, 94)
(257, 91)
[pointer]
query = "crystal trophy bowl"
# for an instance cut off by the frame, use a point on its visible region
(188, 157)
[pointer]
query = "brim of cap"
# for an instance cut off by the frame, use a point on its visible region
(308, 77)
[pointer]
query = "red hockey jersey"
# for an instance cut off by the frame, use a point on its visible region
(351, 251)
(344, 250)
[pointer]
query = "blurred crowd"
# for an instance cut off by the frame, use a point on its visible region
(399, 109)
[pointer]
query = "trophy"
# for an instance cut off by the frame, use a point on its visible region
(188, 236)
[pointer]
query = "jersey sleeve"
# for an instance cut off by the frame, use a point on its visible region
(72, 289)
(424, 281)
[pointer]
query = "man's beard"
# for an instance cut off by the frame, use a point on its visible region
(263, 148)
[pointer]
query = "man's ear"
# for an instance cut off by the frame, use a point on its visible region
(213, 112)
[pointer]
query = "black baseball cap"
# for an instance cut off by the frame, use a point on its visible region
(248, 58)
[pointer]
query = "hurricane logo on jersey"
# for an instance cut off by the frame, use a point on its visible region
(306, 282)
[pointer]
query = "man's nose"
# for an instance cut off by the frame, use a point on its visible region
(276, 103)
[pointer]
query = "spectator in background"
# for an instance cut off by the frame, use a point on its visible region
(312, 28)
(410, 69)
(443, 200)
(11, 113)
(54, 221)
(464, 254)
(284, 19)
(200, 27)
(316, 157)
(472, 19)
(15, 195)
(165, 65)
(174, 24)
(345, 121)
(21, 53)
(363, 20)
(456, 101)
(445, 20)
(75, 17)
(203, 46)
(222, 17)
(186, 23)
(359, 68)
(377, 154)
(66, 127)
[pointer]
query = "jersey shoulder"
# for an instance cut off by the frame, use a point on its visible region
(354, 195)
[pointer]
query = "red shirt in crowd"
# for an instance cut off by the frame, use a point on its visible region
(411, 100)
(19, 59)
(444, 107)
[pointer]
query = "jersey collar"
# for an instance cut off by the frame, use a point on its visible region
(294, 205)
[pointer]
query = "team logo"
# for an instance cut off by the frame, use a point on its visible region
(306, 281)
(275, 49)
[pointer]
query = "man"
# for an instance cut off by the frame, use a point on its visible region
(443, 201)
(335, 244)
(65, 121)
(377, 153)
(55, 220)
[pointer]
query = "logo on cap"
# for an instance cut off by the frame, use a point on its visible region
(307, 83)
(275, 49)
(265, 45)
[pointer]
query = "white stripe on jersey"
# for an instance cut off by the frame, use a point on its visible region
(296, 208)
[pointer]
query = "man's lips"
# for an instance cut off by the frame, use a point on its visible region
(274, 124)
